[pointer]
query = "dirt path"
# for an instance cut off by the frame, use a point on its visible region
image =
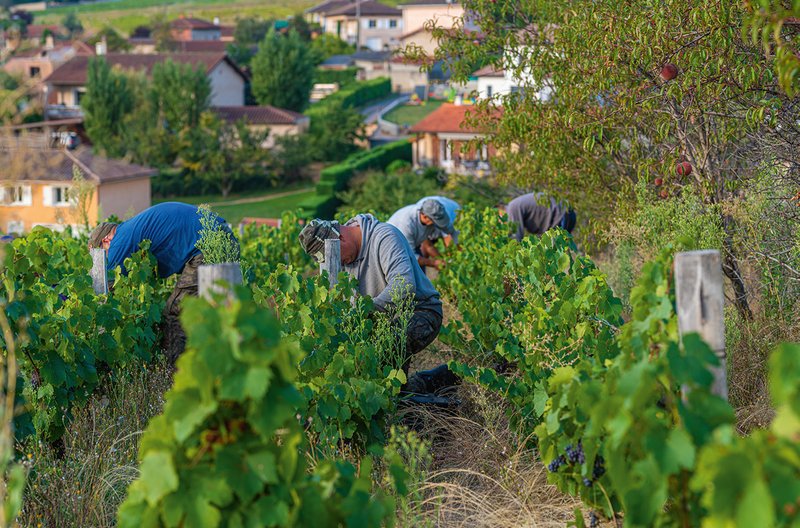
(262, 198)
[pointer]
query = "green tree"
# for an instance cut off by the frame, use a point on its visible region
(299, 24)
(180, 94)
(283, 71)
(386, 192)
(72, 24)
(222, 154)
(327, 45)
(333, 131)
(109, 98)
(114, 41)
(161, 32)
(251, 30)
(775, 24)
(669, 93)
(291, 157)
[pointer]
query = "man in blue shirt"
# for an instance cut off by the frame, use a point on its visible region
(173, 230)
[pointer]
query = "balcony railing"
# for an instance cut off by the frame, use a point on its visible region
(62, 112)
(459, 166)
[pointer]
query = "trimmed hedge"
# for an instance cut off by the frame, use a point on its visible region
(344, 77)
(336, 177)
(354, 95)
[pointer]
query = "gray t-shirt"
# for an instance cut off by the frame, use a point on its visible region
(385, 263)
(408, 222)
(530, 216)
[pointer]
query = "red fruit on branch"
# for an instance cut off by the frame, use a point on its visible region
(658, 182)
(684, 168)
(669, 71)
(663, 193)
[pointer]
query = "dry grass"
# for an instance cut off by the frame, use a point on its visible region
(84, 484)
(482, 473)
(749, 345)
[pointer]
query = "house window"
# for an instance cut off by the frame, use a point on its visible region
(34, 71)
(16, 195)
(372, 23)
(484, 152)
(61, 196)
(488, 90)
(392, 24)
(77, 96)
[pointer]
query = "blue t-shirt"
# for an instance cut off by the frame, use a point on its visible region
(172, 228)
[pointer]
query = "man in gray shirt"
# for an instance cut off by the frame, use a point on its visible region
(378, 256)
(536, 213)
(421, 224)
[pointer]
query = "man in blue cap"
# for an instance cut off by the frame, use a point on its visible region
(420, 224)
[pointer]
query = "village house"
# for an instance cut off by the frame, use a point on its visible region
(280, 122)
(416, 14)
(38, 188)
(65, 87)
(441, 138)
(494, 83)
(38, 63)
(34, 35)
(365, 23)
(187, 28)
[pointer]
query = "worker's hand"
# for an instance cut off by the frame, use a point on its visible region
(437, 263)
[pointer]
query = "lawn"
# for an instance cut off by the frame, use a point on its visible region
(266, 208)
(411, 114)
(269, 208)
(124, 15)
(214, 198)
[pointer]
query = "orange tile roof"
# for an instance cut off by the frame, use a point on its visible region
(447, 118)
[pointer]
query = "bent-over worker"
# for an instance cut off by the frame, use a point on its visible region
(536, 213)
(420, 225)
(173, 229)
(378, 255)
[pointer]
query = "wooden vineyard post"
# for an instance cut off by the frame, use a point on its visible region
(333, 260)
(98, 273)
(700, 302)
(209, 274)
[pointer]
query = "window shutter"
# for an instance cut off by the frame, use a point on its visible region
(27, 198)
(47, 194)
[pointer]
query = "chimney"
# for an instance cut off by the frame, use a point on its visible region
(101, 47)
(216, 20)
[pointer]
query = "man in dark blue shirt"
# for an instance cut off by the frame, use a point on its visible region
(173, 230)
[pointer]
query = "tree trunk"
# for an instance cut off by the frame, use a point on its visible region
(730, 266)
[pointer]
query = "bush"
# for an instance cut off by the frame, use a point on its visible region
(355, 95)
(337, 177)
(343, 77)
(385, 193)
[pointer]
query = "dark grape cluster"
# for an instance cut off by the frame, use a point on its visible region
(556, 463)
(594, 520)
(599, 467)
(588, 483)
(575, 454)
